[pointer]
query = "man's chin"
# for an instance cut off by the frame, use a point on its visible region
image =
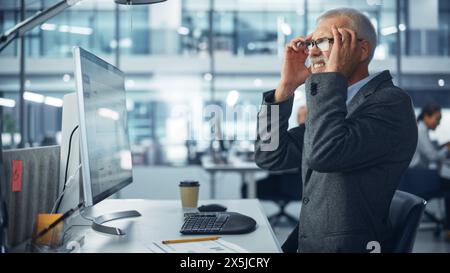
(318, 70)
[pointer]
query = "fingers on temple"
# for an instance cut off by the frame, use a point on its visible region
(336, 36)
(346, 38)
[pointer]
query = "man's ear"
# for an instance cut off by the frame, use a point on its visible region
(365, 51)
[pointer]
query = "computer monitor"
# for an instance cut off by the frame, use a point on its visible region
(104, 141)
(103, 129)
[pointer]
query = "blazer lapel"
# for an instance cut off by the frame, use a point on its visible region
(367, 90)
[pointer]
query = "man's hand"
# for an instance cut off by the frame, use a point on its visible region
(294, 71)
(345, 54)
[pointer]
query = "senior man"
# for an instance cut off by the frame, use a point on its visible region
(360, 136)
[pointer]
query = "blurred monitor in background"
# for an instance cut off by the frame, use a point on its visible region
(49, 140)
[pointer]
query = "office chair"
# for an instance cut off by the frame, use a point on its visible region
(426, 184)
(405, 213)
(282, 189)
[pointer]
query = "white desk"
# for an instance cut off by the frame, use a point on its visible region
(162, 219)
(247, 171)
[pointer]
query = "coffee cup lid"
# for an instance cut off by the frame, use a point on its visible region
(189, 184)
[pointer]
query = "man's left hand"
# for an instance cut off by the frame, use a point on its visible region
(345, 54)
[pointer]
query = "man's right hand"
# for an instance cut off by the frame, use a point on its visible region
(294, 72)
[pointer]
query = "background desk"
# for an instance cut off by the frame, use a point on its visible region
(247, 171)
(162, 220)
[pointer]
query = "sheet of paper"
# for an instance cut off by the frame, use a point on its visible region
(215, 246)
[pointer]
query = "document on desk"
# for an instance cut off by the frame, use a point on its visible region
(214, 246)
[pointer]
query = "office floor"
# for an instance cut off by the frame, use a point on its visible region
(425, 241)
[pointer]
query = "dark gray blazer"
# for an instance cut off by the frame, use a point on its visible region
(352, 159)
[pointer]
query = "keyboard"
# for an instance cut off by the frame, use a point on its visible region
(217, 223)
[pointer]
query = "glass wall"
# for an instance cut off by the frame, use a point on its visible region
(241, 27)
(90, 24)
(167, 104)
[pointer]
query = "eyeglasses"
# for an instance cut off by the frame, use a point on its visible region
(323, 43)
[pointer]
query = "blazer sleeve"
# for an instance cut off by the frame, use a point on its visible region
(334, 143)
(276, 147)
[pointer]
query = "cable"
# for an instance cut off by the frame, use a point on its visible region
(69, 228)
(84, 216)
(67, 167)
(67, 184)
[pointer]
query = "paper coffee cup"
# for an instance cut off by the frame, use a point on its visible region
(189, 193)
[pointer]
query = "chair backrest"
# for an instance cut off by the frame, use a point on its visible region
(421, 182)
(405, 214)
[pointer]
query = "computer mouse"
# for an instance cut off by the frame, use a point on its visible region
(212, 208)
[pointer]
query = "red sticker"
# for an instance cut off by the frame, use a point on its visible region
(16, 178)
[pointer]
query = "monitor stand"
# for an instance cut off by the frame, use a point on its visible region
(97, 223)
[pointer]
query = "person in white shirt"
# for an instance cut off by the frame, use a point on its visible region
(427, 153)
(423, 177)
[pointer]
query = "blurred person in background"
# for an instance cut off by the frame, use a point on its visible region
(423, 178)
(428, 153)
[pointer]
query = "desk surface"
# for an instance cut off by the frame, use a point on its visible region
(162, 219)
(209, 165)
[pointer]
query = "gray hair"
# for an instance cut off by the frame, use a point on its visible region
(358, 22)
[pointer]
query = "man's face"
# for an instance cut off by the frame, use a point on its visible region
(319, 58)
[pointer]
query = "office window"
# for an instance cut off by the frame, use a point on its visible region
(244, 32)
(80, 26)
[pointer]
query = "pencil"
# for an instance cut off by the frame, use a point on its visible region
(190, 240)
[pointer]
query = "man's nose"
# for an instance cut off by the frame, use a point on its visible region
(315, 51)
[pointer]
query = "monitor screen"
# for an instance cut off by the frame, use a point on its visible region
(105, 147)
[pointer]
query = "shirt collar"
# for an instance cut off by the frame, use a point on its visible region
(354, 88)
